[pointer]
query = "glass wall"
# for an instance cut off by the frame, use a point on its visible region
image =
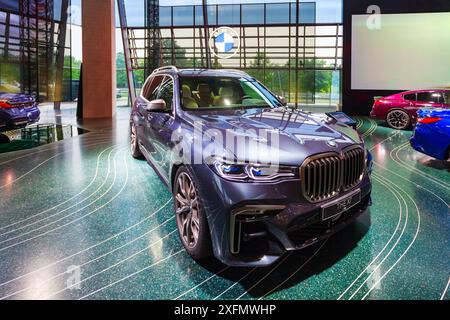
(36, 48)
(281, 43)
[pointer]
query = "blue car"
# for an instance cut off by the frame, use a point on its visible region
(17, 111)
(250, 177)
(432, 133)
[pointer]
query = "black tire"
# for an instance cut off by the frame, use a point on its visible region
(4, 139)
(398, 119)
(134, 143)
(196, 240)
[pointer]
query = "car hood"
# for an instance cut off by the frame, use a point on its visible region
(278, 135)
(16, 98)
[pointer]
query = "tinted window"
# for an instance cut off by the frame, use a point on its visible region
(253, 14)
(430, 97)
(150, 90)
(446, 97)
(277, 13)
(166, 93)
(224, 93)
(229, 14)
(410, 97)
(183, 16)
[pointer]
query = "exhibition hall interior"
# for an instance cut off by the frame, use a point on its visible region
(224, 150)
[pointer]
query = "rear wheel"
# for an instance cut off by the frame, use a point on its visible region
(398, 119)
(191, 218)
(134, 142)
(4, 139)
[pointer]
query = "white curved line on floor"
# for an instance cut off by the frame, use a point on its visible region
(71, 214)
(372, 129)
(415, 184)
(89, 261)
(382, 142)
(359, 123)
(82, 217)
(52, 148)
(445, 290)
(60, 204)
(202, 283)
(234, 284)
(413, 169)
(265, 276)
(393, 234)
(132, 274)
(296, 271)
(407, 249)
(85, 250)
(391, 189)
(34, 169)
(115, 264)
(377, 267)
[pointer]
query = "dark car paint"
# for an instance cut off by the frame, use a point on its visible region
(220, 196)
(433, 139)
(24, 111)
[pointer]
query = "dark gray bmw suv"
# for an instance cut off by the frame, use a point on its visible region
(250, 177)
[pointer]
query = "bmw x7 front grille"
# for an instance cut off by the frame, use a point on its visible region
(325, 175)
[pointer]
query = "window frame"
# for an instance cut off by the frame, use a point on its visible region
(149, 81)
(173, 92)
(410, 94)
(431, 95)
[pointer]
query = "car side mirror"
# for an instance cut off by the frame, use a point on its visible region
(283, 100)
(156, 106)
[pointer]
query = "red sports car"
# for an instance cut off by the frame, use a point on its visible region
(400, 110)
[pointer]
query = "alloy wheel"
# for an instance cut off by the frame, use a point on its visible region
(187, 210)
(398, 119)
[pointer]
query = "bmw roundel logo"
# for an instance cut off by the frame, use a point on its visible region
(332, 144)
(224, 43)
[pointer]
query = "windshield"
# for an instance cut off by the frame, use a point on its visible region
(206, 93)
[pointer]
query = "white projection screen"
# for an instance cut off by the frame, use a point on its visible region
(410, 51)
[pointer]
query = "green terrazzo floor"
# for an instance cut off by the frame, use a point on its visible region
(83, 207)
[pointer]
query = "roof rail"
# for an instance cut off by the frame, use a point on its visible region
(166, 68)
(236, 70)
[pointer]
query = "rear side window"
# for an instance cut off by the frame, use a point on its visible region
(430, 97)
(410, 97)
(446, 97)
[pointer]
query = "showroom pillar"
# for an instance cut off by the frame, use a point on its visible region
(99, 59)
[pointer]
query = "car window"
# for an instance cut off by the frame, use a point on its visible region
(218, 92)
(430, 97)
(410, 97)
(166, 92)
(151, 88)
(446, 96)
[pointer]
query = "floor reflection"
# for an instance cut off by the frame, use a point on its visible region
(37, 135)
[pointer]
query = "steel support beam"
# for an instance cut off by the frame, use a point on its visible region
(126, 49)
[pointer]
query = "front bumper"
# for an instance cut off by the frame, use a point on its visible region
(429, 142)
(286, 220)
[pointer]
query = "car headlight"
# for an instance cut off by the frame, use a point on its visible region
(252, 172)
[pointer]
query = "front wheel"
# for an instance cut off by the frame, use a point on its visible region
(398, 120)
(190, 216)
